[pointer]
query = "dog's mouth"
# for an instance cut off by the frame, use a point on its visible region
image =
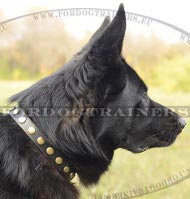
(163, 139)
(158, 139)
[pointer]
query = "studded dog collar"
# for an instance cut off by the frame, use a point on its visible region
(37, 137)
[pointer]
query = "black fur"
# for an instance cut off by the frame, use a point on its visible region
(96, 77)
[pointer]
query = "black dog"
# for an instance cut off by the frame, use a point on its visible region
(97, 78)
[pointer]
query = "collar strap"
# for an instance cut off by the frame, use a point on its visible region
(37, 137)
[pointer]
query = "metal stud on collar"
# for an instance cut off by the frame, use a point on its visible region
(31, 130)
(16, 111)
(59, 160)
(22, 119)
(40, 140)
(50, 151)
(66, 169)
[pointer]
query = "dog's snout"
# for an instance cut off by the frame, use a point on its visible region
(179, 119)
(182, 122)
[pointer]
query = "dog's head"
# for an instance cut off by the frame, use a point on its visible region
(99, 78)
(127, 118)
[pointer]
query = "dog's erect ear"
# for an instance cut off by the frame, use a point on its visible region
(113, 35)
(95, 36)
(98, 33)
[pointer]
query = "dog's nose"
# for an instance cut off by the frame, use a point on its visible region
(182, 122)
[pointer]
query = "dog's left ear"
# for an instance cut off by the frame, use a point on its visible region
(112, 37)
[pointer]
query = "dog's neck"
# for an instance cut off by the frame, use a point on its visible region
(88, 165)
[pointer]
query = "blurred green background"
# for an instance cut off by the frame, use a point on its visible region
(32, 53)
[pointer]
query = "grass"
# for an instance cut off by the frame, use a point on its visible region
(132, 171)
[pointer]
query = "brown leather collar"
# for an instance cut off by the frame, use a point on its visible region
(20, 117)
